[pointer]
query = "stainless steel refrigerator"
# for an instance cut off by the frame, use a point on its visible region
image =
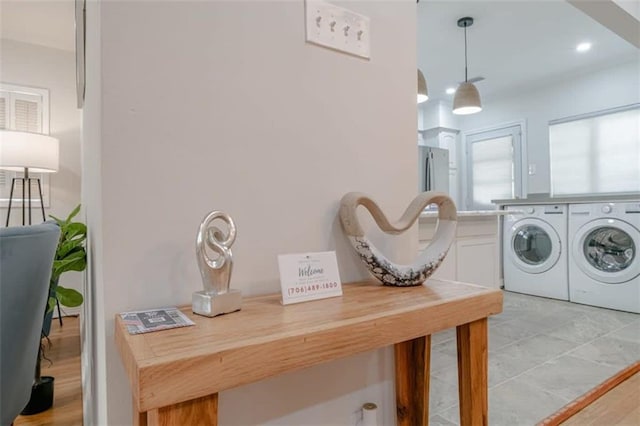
(433, 169)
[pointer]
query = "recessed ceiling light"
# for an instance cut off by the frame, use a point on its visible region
(451, 90)
(583, 47)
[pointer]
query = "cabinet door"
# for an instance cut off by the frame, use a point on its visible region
(447, 269)
(477, 261)
(448, 140)
(453, 186)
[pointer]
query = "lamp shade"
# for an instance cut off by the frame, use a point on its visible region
(467, 99)
(20, 150)
(423, 93)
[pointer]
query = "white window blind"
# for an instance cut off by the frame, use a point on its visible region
(5, 179)
(27, 115)
(494, 166)
(596, 154)
(23, 109)
(3, 112)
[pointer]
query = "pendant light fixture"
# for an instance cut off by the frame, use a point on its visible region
(467, 98)
(423, 92)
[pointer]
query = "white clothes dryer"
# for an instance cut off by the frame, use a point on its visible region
(535, 250)
(604, 266)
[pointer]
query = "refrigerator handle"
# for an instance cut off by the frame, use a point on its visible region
(429, 172)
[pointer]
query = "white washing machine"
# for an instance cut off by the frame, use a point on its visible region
(604, 265)
(535, 251)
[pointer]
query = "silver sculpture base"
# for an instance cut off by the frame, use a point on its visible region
(212, 304)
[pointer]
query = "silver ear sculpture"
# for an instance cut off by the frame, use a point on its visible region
(217, 298)
(387, 272)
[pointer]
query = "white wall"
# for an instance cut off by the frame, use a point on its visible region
(578, 94)
(222, 105)
(436, 114)
(53, 69)
(94, 380)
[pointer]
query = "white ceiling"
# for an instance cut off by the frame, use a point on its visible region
(48, 23)
(513, 44)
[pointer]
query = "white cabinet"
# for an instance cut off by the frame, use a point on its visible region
(442, 137)
(448, 140)
(454, 184)
(474, 255)
(477, 261)
(447, 270)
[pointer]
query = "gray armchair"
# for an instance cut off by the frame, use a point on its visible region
(26, 258)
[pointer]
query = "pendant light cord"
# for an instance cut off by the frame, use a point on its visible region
(465, 53)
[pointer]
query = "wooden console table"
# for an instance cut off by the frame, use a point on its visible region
(176, 374)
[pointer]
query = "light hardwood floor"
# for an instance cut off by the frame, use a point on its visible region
(64, 354)
(618, 407)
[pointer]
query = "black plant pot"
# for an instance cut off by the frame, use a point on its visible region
(41, 396)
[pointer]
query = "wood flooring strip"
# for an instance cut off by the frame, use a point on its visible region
(618, 407)
(585, 400)
(64, 354)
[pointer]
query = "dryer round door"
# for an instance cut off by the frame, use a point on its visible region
(607, 250)
(535, 245)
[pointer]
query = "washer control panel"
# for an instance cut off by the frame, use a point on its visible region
(632, 208)
(554, 209)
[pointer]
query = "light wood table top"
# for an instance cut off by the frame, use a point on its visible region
(266, 338)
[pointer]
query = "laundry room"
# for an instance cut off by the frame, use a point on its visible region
(529, 118)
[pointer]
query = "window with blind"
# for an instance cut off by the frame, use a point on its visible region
(597, 153)
(24, 109)
(494, 166)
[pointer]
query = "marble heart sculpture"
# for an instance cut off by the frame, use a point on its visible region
(382, 268)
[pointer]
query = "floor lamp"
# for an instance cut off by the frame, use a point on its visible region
(28, 153)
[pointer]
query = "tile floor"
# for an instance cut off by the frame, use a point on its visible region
(543, 353)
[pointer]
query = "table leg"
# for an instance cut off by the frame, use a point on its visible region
(199, 411)
(412, 381)
(472, 372)
(139, 418)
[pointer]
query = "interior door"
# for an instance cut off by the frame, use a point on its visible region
(494, 167)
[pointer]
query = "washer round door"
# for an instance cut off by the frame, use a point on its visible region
(535, 245)
(607, 250)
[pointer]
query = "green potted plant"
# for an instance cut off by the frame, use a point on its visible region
(70, 256)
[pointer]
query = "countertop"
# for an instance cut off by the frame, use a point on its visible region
(462, 214)
(533, 199)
